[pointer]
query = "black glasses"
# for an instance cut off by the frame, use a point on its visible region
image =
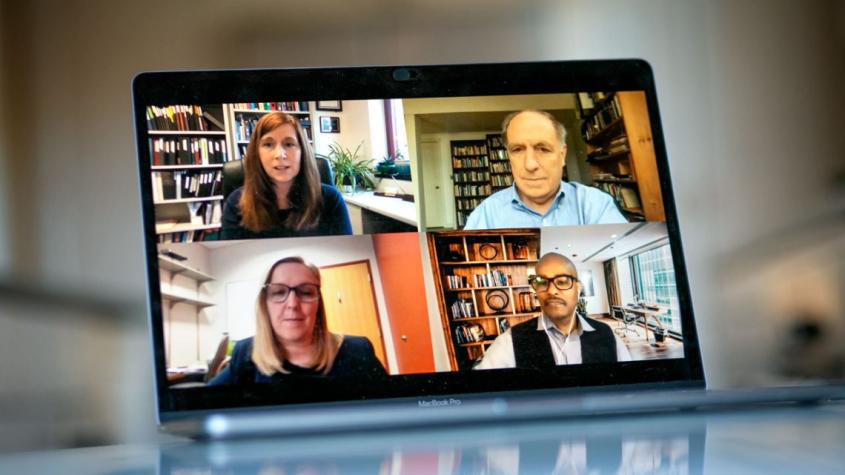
(561, 282)
(279, 293)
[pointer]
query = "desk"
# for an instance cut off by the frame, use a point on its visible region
(370, 213)
(645, 314)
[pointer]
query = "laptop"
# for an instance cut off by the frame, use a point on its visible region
(348, 248)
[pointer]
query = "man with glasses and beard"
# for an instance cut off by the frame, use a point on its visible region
(560, 336)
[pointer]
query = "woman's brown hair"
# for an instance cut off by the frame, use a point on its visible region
(258, 200)
(267, 354)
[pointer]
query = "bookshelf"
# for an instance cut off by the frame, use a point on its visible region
(482, 286)
(500, 167)
(188, 146)
(620, 152)
(186, 285)
(471, 176)
(244, 116)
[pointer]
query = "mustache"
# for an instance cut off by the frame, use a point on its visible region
(556, 300)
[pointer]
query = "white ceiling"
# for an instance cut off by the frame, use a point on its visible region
(601, 242)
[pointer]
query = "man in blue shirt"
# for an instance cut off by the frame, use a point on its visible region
(536, 146)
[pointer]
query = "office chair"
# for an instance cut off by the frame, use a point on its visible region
(233, 174)
(624, 320)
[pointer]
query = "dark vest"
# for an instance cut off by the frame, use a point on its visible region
(533, 350)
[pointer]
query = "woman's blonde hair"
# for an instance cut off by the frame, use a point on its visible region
(267, 354)
(258, 201)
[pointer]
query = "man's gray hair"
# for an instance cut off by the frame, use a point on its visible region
(559, 128)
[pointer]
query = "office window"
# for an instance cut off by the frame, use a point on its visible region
(653, 277)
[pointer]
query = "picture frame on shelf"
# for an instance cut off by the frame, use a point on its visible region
(329, 125)
(334, 106)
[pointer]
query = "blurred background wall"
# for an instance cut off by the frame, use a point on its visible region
(751, 100)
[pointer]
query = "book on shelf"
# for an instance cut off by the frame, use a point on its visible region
(469, 333)
(189, 236)
(602, 117)
(626, 196)
(187, 151)
(288, 106)
(176, 185)
(176, 118)
(479, 162)
(504, 325)
(472, 190)
(471, 176)
(494, 278)
(526, 302)
(462, 308)
(469, 149)
(502, 180)
(456, 281)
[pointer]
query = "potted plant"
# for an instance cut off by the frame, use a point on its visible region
(387, 168)
(350, 172)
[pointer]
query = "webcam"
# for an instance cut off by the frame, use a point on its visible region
(406, 74)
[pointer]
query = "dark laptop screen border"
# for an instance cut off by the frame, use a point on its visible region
(154, 88)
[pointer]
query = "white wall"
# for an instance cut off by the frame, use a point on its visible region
(241, 269)
(361, 123)
(597, 303)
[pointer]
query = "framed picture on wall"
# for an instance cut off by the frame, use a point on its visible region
(587, 283)
(329, 125)
(336, 106)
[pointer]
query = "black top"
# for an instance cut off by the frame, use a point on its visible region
(532, 349)
(355, 358)
(334, 219)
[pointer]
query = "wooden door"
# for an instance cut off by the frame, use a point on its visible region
(350, 303)
(400, 268)
(433, 186)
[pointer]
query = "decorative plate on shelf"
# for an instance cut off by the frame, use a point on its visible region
(497, 300)
(488, 252)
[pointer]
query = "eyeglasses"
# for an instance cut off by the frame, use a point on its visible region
(279, 293)
(561, 282)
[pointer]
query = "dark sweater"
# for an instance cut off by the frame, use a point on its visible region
(531, 347)
(334, 219)
(355, 358)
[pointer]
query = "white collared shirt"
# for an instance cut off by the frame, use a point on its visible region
(566, 350)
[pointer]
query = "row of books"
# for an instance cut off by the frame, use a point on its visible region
(456, 281)
(187, 151)
(502, 167)
(177, 117)
(185, 184)
(495, 141)
(498, 155)
(502, 180)
(469, 149)
(289, 106)
(602, 118)
(470, 162)
(469, 333)
(626, 196)
(189, 236)
(245, 125)
(468, 204)
(525, 302)
(494, 278)
(472, 190)
(463, 177)
(462, 308)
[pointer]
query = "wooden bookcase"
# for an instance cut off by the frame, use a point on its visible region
(620, 151)
(471, 176)
(188, 146)
(482, 286)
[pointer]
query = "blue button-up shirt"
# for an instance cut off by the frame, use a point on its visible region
(575, 204)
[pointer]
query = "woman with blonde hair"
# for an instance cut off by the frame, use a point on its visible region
(282, 195)
(292, 336)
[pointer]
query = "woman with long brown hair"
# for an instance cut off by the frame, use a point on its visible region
(282, 195)
(292, 337)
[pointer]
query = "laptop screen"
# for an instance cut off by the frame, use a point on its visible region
(424, 234)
